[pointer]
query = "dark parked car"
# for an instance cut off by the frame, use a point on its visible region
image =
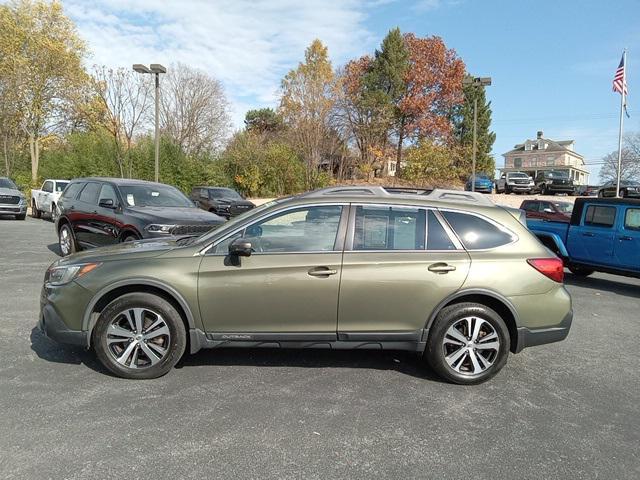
(225, 202)
(554, 181)
(548, 210)
(101, 211)
(587, 190)
(628, 188)
(12, 200)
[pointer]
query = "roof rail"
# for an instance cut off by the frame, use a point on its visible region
(348, 190)
(461, 196)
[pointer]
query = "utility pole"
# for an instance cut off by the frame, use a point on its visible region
(156, 69)
(475, 82)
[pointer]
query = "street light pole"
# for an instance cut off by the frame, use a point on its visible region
(156, 69)
(475, 82)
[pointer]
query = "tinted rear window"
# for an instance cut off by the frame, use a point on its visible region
(72, 190)
(476, 233)
(600, 216)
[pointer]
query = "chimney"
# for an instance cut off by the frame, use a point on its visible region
(540, 134)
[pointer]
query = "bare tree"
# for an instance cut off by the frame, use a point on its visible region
(126, 97)
(194, 110)
(630, 165)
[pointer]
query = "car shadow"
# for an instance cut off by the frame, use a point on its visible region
(603, 284)
(51, 351)
(406, 363)
(55, 248)
(402, 362)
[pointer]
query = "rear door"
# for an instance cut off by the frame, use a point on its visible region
(627, 242)
(84, 214)
(44, 197)
(593, 240)
(399, 263)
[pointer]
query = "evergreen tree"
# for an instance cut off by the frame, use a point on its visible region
(463, 122)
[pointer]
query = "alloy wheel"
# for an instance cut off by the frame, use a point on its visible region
(65, 241)
(471, 345)
(138, 338)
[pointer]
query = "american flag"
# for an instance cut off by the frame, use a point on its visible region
(619, 80)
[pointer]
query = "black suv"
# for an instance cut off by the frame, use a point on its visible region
(101, 211)
(554, 181)
(222, 201)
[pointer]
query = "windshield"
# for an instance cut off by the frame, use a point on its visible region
(564, 207)
(518, 175)
(154, 196)
(558, 175)
(224, 193)
(6, 183)
(482, 177)
(630, 183)
(60, 186)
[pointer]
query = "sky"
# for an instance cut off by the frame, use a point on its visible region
(552, 62)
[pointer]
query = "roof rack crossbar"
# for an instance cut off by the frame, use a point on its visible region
(461, 196)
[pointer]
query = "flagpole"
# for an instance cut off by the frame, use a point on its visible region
(622, 99)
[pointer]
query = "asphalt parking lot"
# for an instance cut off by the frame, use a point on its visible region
(566, 410)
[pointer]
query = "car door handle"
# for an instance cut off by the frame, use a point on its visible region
(624, 237)
(321, 272)
(588, 234)
(441, 268)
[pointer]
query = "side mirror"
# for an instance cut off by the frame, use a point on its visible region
(240, 247)
(106, 203)
(548, 210)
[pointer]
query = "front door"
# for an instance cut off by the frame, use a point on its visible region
(593, 240)
(627, 243)
(290, 282)
(400, 263)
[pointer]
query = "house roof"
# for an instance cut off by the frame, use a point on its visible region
(552, 146)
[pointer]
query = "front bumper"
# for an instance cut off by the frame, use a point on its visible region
(518, 187)
(560, 188)
(6, 209)
(61, 312)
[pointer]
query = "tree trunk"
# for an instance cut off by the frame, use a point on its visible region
(34, 153)
(399, 152)
(5, 151)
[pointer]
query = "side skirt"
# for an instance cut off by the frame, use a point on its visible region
(407, 341)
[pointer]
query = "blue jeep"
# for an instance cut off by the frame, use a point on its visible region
(603, 235)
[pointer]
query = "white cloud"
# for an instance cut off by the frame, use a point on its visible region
(248, 45)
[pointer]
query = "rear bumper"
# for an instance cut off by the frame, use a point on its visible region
(539, 336)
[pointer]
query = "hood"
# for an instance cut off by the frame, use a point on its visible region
(235, 201)
(175, 215)
(11, 191)
(147, 248)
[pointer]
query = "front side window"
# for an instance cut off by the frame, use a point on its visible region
(476, 233)
(389, 228)
(306, 229)
(47, 187)
(107, 192)
(600, 216)
(632, 219)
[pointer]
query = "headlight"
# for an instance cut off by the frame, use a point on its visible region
(159, 228)
(62, 275)
(22, 201)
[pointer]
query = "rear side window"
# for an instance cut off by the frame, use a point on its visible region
(389, 228)
(437, 237)
(72, 190)
(600, 216)
(89, 193)
(476, 233)
(632, 219)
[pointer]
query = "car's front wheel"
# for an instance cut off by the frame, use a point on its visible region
(139, 336)
(468, 343)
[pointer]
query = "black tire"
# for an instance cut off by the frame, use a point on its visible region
(54, 212)
(579, 271)
(507, 190)
(35, 213)
(129, 237)
(21, 216)
(174, 350)
(72, 246)
(435, 351)
(600, 194)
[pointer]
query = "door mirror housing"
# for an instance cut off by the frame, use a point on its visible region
(240, 247)
(548, 210)
(107, 203)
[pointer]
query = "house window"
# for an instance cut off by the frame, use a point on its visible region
(392, 167)
(517, 162)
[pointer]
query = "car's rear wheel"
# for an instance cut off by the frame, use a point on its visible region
(580, 271)
(139, 336)
(66, 241)
(468, 343)
(129, 237)
(35, 213)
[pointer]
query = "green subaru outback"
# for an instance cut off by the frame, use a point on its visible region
(446, 274)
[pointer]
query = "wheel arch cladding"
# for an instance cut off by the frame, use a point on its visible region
(107, 297)
(496, 304)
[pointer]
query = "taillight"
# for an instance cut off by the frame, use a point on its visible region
(549, 267)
